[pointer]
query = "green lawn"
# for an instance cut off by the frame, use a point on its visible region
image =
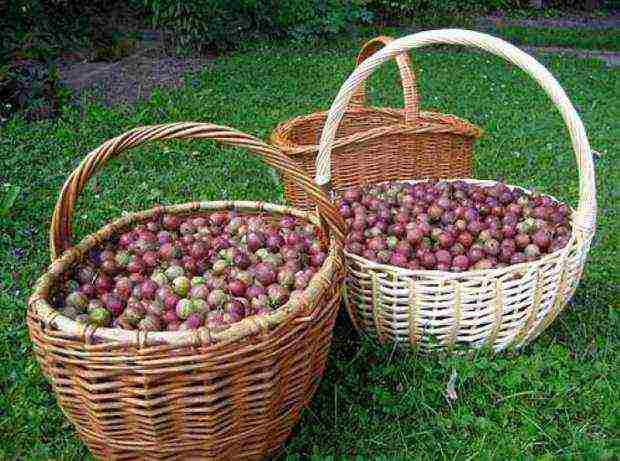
(581, 38)
(557, 398)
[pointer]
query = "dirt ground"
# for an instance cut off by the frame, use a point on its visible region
(134, 77)
(585, 21)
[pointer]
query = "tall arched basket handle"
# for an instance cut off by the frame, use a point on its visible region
(585, 216)
(61, 227)
(407, 79)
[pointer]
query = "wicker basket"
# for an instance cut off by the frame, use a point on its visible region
(375, 144)
(233, 394)
(497, 308)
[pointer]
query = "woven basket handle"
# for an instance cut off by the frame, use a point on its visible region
(585, 216)
(60, 231)
(407, 78)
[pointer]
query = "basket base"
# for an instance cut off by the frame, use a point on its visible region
(246, 449)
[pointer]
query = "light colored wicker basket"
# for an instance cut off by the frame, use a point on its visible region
(497, 308)
(234, 394)
(377, 144)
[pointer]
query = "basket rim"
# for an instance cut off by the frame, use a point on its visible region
(432, 122)
(577, 238)
(328, 275)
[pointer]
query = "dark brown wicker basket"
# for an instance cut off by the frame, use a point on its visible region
(375, 144)
(232, 394)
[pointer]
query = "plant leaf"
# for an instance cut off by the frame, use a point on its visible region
(450, 390)
(9, 195)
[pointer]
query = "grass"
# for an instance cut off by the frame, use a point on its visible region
(580, 38)
(557, 398)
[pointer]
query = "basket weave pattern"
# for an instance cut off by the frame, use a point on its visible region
(189, 394)
(498, 308)
(375, 145)
(432, 309)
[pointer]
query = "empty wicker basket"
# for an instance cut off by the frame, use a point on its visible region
(377, 144)
(186, 394)
(498, 308)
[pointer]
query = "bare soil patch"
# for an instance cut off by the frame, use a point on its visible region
(132, 78)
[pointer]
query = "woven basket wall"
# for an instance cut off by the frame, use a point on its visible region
(232, 394)
(496, 308)
(376, 144)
